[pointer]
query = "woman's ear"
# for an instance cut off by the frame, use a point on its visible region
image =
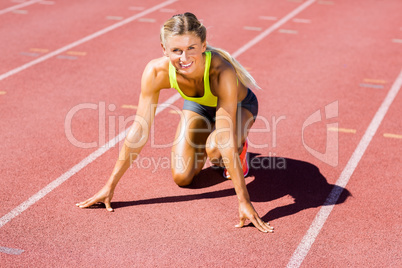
(204, 46)
(164, 50)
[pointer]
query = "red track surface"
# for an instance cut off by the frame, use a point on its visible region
(339, 45)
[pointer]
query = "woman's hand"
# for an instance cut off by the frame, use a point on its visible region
(105, 195)
(247, 211)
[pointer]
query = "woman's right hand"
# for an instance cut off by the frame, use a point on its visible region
(105, 195)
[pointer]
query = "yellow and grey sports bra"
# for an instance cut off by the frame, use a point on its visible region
(208, 99)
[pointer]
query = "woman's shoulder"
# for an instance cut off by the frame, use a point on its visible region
(219, 63)
(157, 72)
(158, 65)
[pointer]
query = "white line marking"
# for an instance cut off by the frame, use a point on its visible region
(315, 228)
(325, 2)
(11, 251)
(67, 57)
(394, 136)
(375, 81)
(92, 157)
(301, 21)
(46, 2)
(343, 130)
(18, 6)
(128, 106)
(287, 31)
(273, 28)
(251, 28)
(31, 54)
(85, 39)
(371, 85)
(267, 18)
(147, 20)
(20, 11)
(397, 41)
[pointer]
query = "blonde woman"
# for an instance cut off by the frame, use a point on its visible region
(219, 109)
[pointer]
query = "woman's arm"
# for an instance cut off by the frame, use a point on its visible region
(226, 141)
(151, 83)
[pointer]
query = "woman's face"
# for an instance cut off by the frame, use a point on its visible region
(185, 52)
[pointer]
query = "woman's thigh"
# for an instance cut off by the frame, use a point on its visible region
(188, 151)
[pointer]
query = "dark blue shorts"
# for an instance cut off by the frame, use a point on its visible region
(250, 102)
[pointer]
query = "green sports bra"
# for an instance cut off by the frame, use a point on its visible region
(208, 99)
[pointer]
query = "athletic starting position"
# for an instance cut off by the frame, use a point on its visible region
(218, 111)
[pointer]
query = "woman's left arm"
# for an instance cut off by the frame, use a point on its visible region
(226, 141)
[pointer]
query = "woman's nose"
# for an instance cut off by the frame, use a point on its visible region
(183, 57)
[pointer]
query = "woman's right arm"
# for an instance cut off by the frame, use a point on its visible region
(151, 83)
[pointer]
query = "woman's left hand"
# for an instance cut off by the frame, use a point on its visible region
(247, 212)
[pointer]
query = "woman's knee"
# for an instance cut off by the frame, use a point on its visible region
(214, 155)
(182, 178)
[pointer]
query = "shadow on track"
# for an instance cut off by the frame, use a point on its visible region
(274, 177)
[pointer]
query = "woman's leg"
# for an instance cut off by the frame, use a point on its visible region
(188, 152)
(245, 121)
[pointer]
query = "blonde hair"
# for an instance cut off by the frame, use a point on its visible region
(188, 23)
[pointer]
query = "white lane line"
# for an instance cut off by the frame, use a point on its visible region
(267, 18)
(3, 11)
(85, 39)
(287, 31)
(315, 228)
(11, 251)
(301, 20)
(92, 157)
(371, 85)
(46, 3)
(67, 57)
(273, 27)
(251, 28)
(31, 54)
(397, 41)
(325, 2)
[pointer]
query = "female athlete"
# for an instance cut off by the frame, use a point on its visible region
(218, 111)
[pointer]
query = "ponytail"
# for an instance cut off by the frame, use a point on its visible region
(242, 74)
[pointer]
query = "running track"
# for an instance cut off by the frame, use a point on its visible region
(60, 56)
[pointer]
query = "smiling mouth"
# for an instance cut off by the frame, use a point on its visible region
(184, 66)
